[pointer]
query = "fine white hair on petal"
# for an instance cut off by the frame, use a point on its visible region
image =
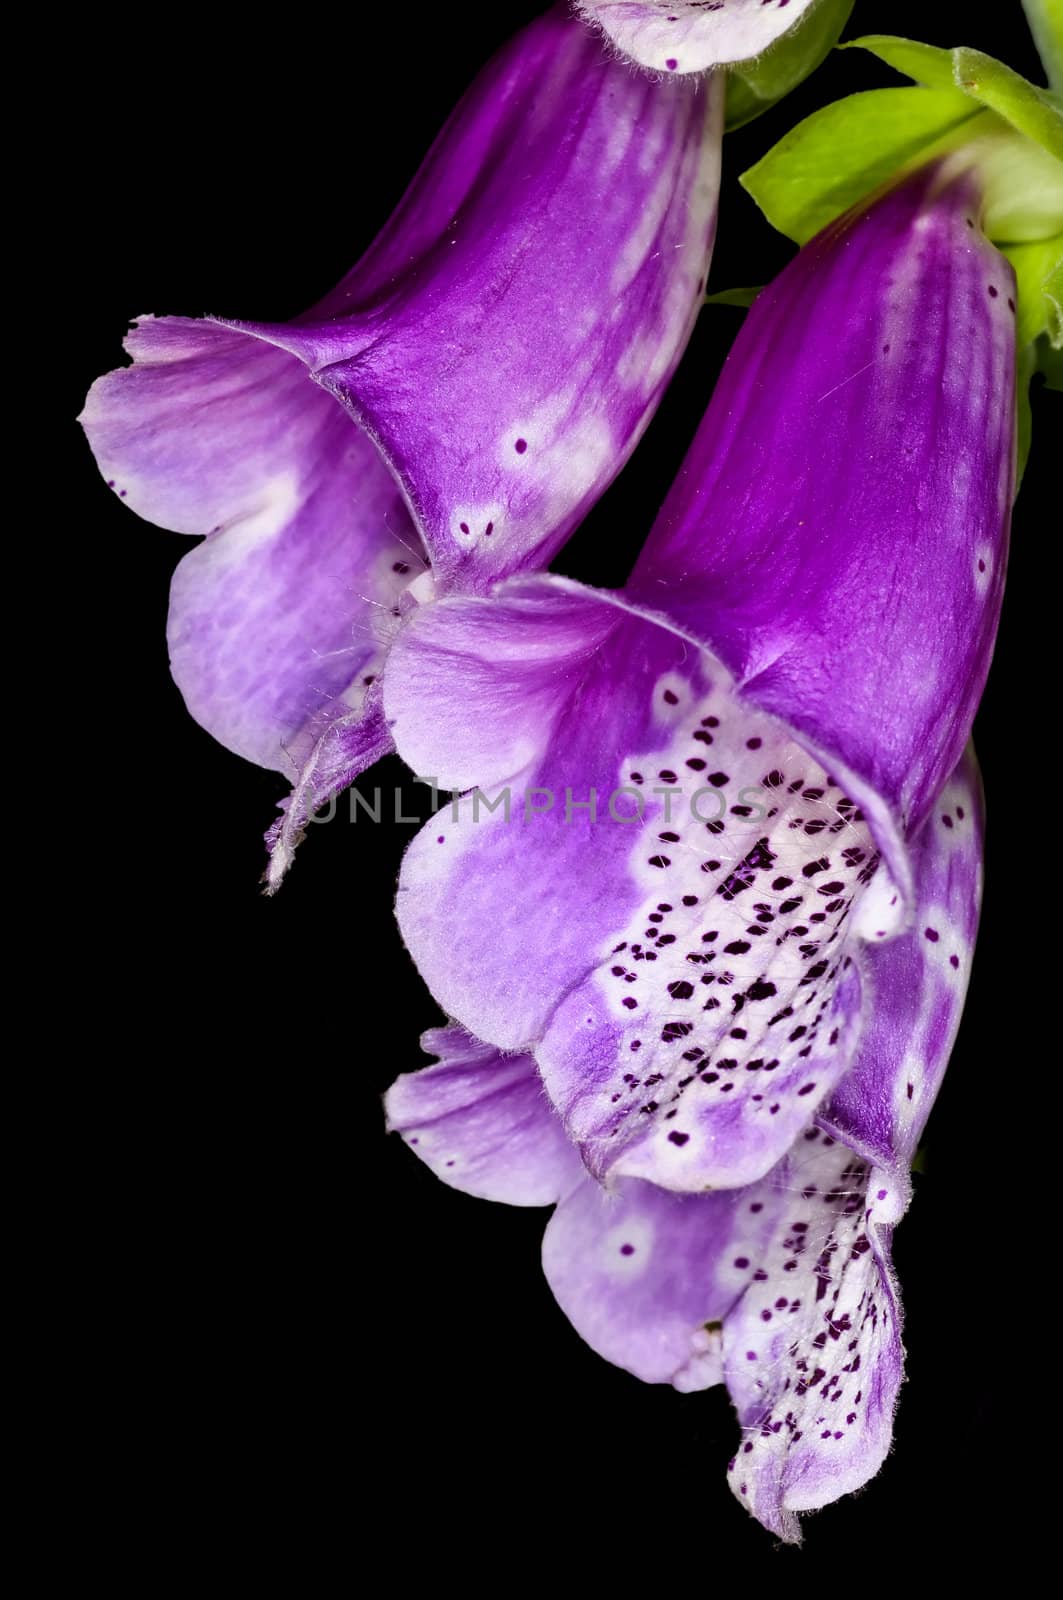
(685, 36)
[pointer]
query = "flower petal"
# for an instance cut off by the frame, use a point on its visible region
(812, 1351)
(639, 1273)
(853, 585)
(917, 984)
(783, 1288)
(688, 35)
(273, 628)
(349, 744)
(483, 1124)
(684, 977)
(508, 366)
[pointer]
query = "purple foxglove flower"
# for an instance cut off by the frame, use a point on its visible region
(783, 1290)
(500, 349)
(692, 35)
(713, 779)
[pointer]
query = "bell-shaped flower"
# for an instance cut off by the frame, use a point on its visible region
(478, 379)
(782, 1290)
(694, 800)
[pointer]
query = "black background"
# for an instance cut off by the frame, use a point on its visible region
(290, 1346)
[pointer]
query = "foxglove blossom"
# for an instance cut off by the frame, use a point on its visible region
(782, 1290)
(478, 379)
(713, 778)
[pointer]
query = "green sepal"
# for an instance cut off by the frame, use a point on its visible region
(755, 86)
(1035, 112)
(1011, 130)
(734, 297)
(1038, 268)
(927, 64)
(845, 151)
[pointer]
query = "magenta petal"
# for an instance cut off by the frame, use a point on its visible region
(483, 1123)
(838, 532)
(689, 35)
(509, 361)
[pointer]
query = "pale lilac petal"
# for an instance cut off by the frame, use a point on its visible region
(646, 1276)
(812, 1351)
(848, 566)
(692, 35)
(507, 357)
(482, 1122)
(918, 983)
(280, 617)
(684, 979)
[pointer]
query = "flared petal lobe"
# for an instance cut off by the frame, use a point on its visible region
(657, 888)
(689, 35)
(917, 986)
(280, 617)
(645, 1276)
(483, 1123)
(838, 531)
(813, 1358)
